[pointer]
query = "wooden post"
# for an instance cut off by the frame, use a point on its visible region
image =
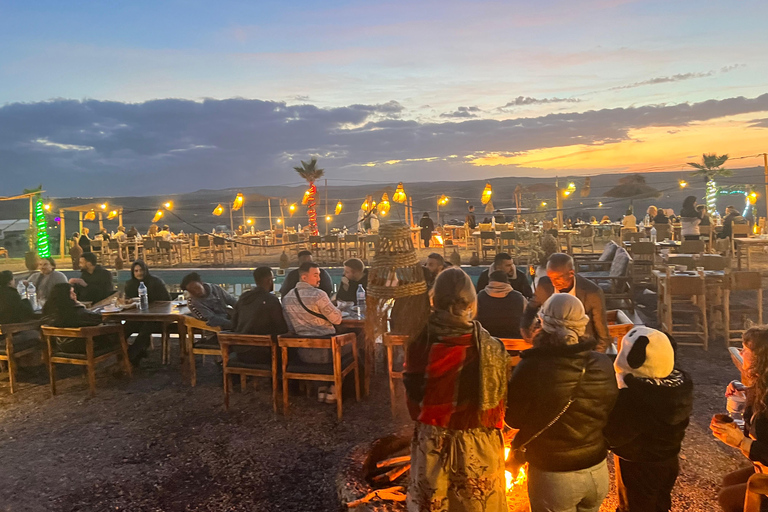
(282, 215)
(326, 206)
(80, 216)
(269, 206)
(120, 217)
(765, 162)
(231, 221)
(31, 223)
(63, 232)
(101, 221)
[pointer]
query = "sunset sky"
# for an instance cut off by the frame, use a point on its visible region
(153, 97)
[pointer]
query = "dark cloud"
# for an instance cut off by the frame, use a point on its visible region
(527, 100)
(676, 78)
(759, 123)
(162, 146)
(462, 112)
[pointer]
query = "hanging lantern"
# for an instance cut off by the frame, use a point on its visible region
(339, 206)
(399, 195)
(367, 204)
(168, 205)
(586, 189)
(112, 215)
(238, 202)
(384, 205)
(443, 200)
(292, 209)
(487, 193)
(218, 210)
(91, 215)
(158, 216)
(752, 197)
(103, 206)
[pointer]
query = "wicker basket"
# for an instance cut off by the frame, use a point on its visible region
(395, 272)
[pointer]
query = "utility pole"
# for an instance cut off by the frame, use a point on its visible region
(326, 206)
(765, 162)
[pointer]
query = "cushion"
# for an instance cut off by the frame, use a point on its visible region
(619, 264)
(99, 349)
(322, 369)
(21, 341)
(608, 252)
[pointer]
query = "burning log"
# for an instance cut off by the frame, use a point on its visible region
(394, 461)
(392, 475)
(390, 494)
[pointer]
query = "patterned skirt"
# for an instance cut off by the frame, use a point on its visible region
(457, 470)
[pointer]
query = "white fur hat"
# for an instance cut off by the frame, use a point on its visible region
(645, 353)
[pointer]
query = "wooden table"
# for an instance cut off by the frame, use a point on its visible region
(164, 312)
(714, 282)
(567, 233)
(743, 246)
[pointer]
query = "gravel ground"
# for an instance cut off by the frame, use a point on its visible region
(155, 444)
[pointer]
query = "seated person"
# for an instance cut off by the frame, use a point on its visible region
(309, 312)
(732, 216)
(46, 278)
(354, 274)
(208, 301)
(63, 310)
(156, 291)
(518, 280)
(165, 234)
(84, 241)
(13, 309)
(258, 311)
(562, 278)
(500, 308)
(121, 236)
(326, 284)
(435, 264)
(94, 283)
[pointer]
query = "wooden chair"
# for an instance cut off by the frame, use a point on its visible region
(333, 372)
(165, 252)
(507, 241)
(331, 248)
(662, 231)
(230, 368)
(739, 231)
(10, 351)
(204, 249)
(687, 296)
(207, 346)
(223, 247)
(714, 262)
(488, 244)
(618, 325)
(371, 246)
(757, 487)
(585, 239)
(691, 247)
(688, 261)
(741, 282)
(390, 342)
(149, 248)
(99, 248)
(351, 246)
(631, 236)
(644, 256)
(92, 355)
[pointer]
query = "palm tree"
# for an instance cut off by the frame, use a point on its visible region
(711, 167)
(311, 173)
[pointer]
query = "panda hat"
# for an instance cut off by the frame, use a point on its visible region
(645, 353)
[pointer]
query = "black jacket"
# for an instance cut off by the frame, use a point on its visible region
(85, 243)
(540, 387)
(649, 421)
(500, 316)
(427, 227)
(156, 289)
(350, 294)
(13, 309)
(590, 295)
(258, 312)
(74, 316)
(326, 284)
(471, 221)
(99, 285)
(520, 283)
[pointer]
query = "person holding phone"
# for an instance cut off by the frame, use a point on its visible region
(752, 440)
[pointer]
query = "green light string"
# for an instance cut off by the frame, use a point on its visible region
(43, 249)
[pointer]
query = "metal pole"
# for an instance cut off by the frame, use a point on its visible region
(326, 206)
(231, 221)
(31, 223)
(80, 215)
(63, 230)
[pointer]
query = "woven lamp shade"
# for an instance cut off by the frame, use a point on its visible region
(395, 272)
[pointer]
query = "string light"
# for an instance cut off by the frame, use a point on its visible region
(683, 183)
(384, 205)
(250, 221)
(443, 200)
(43, 248)
(292, 209)
(399, 195)
(103, 206)
(339, 206)
(47, 207)
(168, 205)
(218, 210)
(327, 218)
(158, 216)
(91, 215)
(487, 193)
(111, 215)
(238, 202)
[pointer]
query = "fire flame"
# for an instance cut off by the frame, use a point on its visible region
(522, 477)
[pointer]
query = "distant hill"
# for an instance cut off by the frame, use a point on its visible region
(193, 210)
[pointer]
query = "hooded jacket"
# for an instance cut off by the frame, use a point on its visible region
(156, 289)
(14, 309)
(519, 281)
(540, 387)
(649, 420)
(258, 312)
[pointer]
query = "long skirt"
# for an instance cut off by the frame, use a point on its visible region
(457, 470)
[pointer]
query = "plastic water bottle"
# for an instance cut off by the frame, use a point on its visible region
(32, 295)
(143, 297)
(653, 234)
(22, 290)
(360, 296)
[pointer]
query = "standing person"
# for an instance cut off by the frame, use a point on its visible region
(561, 278)
(752, 441)
(309, 312)
(13, 309)
(156, 291)
(374, 220)
(647, 426)
(500, 307)
(209, 302)
(470, 218)
(258, 311)
(355, 274)
(455, 382)
(95, 282)
(326, 284)
(560, 396)
(690, 219)
(75, 251)
(46, 277)
(84, 241)
(427, 227)
(503, 261)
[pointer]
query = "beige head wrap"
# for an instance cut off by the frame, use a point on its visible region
(563, 315)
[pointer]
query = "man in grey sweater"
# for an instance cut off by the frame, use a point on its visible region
(208, 301)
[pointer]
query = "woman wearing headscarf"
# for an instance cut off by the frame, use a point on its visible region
(560, 396)
(690, 219)
(156, 291)
(455, 381)
(63, 310)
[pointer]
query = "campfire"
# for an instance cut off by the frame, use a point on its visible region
(386, 473)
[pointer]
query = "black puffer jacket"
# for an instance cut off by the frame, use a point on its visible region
(539, 389)
(649, 421)
(156, 289)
